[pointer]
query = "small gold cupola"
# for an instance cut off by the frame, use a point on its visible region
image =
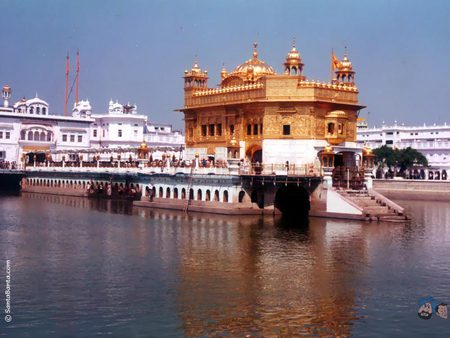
(195, 78)
(223, 72)
(344, 71)
(293, 64)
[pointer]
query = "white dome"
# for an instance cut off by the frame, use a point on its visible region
(36, 100)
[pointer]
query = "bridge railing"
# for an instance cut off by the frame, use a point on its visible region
(122, 169)
(244, 169)
(280, 169)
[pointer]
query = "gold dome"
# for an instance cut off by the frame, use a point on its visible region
(293, 56)
(252, 69)
(143, 145)
(337, 114)
(346, 64)
(328, 150)
(223, 72)
(367, 152)
(196, 71)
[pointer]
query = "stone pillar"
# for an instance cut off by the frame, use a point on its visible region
(368, 180)
(327, 177)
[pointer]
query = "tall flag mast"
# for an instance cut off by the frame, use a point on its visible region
(67, 84)
(77, 75)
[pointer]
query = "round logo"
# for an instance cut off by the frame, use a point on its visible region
(8, 318)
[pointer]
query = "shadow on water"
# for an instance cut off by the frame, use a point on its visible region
(9, 192)
(292, 222)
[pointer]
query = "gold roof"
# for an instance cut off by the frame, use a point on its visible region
(196, 71)
(293, 56)
(367, 152)
(346, 64)
(328, 150)
(143, 145)
(252, 69)
(337, 114)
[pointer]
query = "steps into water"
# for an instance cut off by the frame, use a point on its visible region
(375, 206)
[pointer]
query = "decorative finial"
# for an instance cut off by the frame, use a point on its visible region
(255, 50)
(346, 51)
(293, 42)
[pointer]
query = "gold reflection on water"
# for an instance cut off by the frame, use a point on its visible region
(278, 283)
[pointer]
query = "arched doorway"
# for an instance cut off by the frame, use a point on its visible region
(254, 154)
(293, 201)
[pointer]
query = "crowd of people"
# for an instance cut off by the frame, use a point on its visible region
(8, 165)
(98, 189)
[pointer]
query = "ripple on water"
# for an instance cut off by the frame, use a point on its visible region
(84, 268)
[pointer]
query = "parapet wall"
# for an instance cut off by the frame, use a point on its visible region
(413, 189)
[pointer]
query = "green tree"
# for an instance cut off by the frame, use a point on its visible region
(401, 159)
(408, 157)
(385, 156)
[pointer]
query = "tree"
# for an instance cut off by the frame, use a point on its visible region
(407, 158)
(401, 159)
(385, 156)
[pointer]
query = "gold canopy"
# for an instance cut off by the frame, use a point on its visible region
(252, 69)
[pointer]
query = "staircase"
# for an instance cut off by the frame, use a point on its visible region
(375, 206)
(188, 191)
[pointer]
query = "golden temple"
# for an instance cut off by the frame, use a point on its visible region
(271, 117)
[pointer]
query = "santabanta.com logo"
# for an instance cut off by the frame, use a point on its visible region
(8, 317)
(429, 306)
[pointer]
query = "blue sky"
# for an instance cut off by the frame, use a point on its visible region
(136, 50)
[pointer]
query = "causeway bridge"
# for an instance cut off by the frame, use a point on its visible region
(298, 192)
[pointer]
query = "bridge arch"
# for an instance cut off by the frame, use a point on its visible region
(292, 200)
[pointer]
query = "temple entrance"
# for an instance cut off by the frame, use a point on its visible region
(346, 173)
(254, 154)
(38, 156)
(293, 201)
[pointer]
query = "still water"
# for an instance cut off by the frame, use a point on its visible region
(85, 268)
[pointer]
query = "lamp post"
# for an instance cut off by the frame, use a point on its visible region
(142, 154)
(368, 163)
(233, 150)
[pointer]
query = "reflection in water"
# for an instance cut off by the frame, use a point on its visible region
(268, 281)
(103, 267)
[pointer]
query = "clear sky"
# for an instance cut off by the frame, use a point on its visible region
(136, 51)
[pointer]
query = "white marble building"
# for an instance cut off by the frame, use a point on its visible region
(162, 135)
(120, 127)
(27, 127)
(433, 141)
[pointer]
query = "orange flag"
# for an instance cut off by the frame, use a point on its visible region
(335, 62)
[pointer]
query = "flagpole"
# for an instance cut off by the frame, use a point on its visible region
(332, 64)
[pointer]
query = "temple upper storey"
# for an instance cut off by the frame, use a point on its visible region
(256, 80)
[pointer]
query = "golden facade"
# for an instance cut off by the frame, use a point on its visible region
(253, 103)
